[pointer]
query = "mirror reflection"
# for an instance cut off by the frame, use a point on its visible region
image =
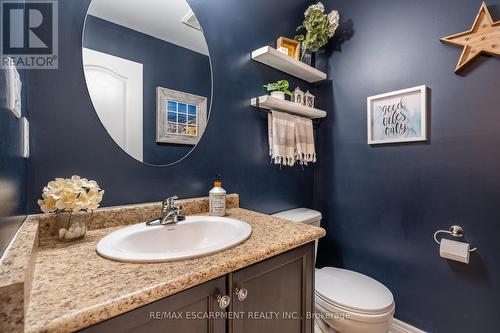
(148, 73)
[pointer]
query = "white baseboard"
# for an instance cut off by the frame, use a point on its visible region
(399, 327)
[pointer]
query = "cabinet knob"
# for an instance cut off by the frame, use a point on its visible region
(223, 301)
(241, 293)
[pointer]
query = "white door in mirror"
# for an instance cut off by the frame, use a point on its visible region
(197, 236)
(116, 88)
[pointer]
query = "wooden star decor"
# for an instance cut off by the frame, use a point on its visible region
(483, 37)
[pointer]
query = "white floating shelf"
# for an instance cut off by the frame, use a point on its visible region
(273, 103)
(274, 58)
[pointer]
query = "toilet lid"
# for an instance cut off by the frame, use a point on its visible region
(353, 290)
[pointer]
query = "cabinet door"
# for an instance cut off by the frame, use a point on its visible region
(186, 311)
(279, 294)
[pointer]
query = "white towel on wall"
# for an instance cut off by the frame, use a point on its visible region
(281, 130)
(291, 139)
(10, 90)
(305, 151)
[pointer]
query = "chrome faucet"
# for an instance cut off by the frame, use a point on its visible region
(170, 213)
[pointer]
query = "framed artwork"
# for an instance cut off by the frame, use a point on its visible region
(398, 116)
(181, 118)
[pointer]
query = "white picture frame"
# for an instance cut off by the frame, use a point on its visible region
(164, 134)
(397, 116)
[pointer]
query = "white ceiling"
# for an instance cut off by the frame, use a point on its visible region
(159, 18)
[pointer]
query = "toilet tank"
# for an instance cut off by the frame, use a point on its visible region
(303, 215)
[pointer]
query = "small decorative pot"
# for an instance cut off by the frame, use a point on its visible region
(278, 94)
(71, 226)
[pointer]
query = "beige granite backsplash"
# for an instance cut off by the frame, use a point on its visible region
(108, 217)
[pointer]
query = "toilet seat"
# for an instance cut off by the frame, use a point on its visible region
(332, 307)
(337, 312)
(341, 289)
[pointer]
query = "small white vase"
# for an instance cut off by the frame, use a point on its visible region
(278, 94)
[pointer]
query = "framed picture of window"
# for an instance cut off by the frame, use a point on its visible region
(181, 118)
(398, 116)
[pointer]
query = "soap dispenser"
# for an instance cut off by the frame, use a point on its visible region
(217, 199)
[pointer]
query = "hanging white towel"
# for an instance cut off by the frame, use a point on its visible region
(281, 130)
(291, 139)
(10, 90)
(304, 141)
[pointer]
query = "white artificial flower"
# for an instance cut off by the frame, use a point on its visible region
(319, 6)
(67, 200)
(95, 198)
(70, 195)
(47, 205)
(90, 184)
(333, 22)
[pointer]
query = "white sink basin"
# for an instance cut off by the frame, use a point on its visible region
(197, 236)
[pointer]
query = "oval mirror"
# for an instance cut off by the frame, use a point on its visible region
(148, 73)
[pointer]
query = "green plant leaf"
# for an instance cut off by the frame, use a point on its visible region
(281, 85)
(299, 38)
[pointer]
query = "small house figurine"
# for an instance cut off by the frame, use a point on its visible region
(298, 96)
(309, 99)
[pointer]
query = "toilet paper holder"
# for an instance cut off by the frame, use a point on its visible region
(455, 230)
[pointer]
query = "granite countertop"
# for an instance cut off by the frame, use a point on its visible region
(72, 287)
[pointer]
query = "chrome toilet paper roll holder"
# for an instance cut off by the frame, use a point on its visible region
(455, 230)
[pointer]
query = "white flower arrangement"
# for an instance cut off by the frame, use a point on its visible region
(70, 195)
(319, 27)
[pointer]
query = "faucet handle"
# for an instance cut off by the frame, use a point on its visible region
(178, 214)
(169, 202)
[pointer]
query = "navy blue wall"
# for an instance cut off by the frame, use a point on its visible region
(69, 139)
(164, 65)
(13, 172)
(382, 204)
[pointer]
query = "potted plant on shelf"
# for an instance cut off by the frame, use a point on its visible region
(71, 199)
(320, 27)
(278, 89)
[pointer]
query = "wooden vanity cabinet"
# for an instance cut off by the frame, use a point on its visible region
(172, 314)
(275, 295)
(280, 294)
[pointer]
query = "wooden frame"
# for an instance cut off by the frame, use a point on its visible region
(398, 116)
(291, 45)
(163, 135)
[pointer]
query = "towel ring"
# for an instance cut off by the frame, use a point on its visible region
(455, 231)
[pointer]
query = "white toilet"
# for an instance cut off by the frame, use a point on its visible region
(346, 301)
